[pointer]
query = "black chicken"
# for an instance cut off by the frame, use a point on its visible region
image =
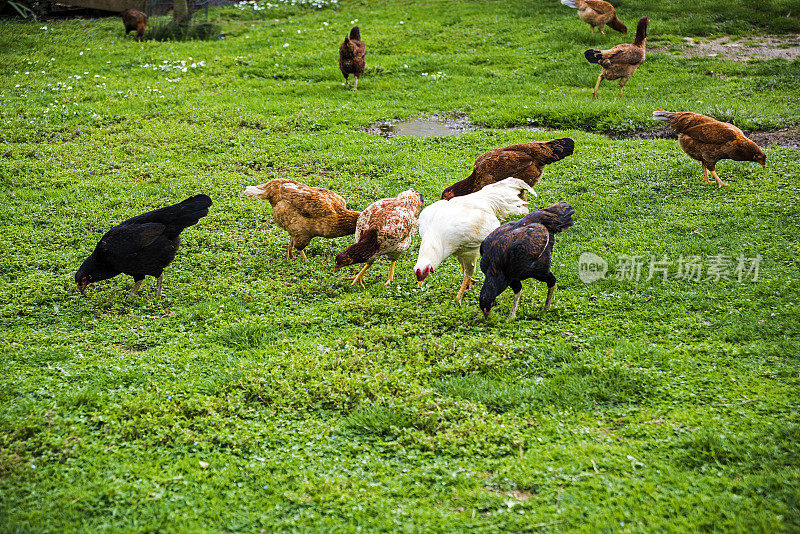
(142, 245)
(520, 250)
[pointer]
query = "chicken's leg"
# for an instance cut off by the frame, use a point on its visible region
(705, 174)
(550, 291)
(622, 81)
(513, 313)
(303, 255)
(597, 85)
(289, 248)
(360, 276)
(158, 285)
(468, 269)
(720, 183)
(355, 85)
(135, 288)
(391, 273)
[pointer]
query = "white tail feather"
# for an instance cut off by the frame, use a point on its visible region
(253, 191)
(661, 115)
(570, 3)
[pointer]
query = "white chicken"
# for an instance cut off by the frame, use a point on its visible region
(459, 225)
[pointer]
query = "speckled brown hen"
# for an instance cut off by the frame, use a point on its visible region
(385, 228)
(708, 140)
(525, 161)
(351, 56)
(305, 212)
(620, 62)
(133, 19)
(597, 13)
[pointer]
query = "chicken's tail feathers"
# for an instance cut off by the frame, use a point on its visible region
(191, 210)
(254, 191)
(593, 56)
(178, 216)
(198, 201)
(560, 148)
(665, 116)
(355, 33)
(556, 218)
(617, 24)
(570, 3)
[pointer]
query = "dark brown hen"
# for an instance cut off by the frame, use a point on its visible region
(134, 20)
(142, 245)
(525, 161)
(520, 250)
(351, 56)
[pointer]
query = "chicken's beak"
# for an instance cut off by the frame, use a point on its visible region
(486, 314)
(420, 282)
(82, 289)
(336, 268)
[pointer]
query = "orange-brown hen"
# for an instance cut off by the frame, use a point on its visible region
(524, 161)
(305, 212)
(708, 140)
(620, 62)
(597, 13)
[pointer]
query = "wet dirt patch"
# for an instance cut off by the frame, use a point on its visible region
(433, 126)
(455, 124)
(764, 47)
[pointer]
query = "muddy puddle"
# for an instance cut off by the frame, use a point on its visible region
(432, 126)
(452, 124)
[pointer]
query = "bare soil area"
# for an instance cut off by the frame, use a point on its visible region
(764, 47)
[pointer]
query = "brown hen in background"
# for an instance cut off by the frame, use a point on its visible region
(133, 19)
(597, 13)
(351, 56)
(620, 62)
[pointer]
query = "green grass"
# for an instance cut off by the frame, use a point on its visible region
(318, 406)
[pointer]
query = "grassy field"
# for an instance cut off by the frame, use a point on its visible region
(267, 394)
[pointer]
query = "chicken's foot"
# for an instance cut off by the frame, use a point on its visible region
(391, 273)
(359, 278)
(513, 314)
(135, 288)
(550, 291)
(720, 183)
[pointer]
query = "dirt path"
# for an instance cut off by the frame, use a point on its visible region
(764, 47)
